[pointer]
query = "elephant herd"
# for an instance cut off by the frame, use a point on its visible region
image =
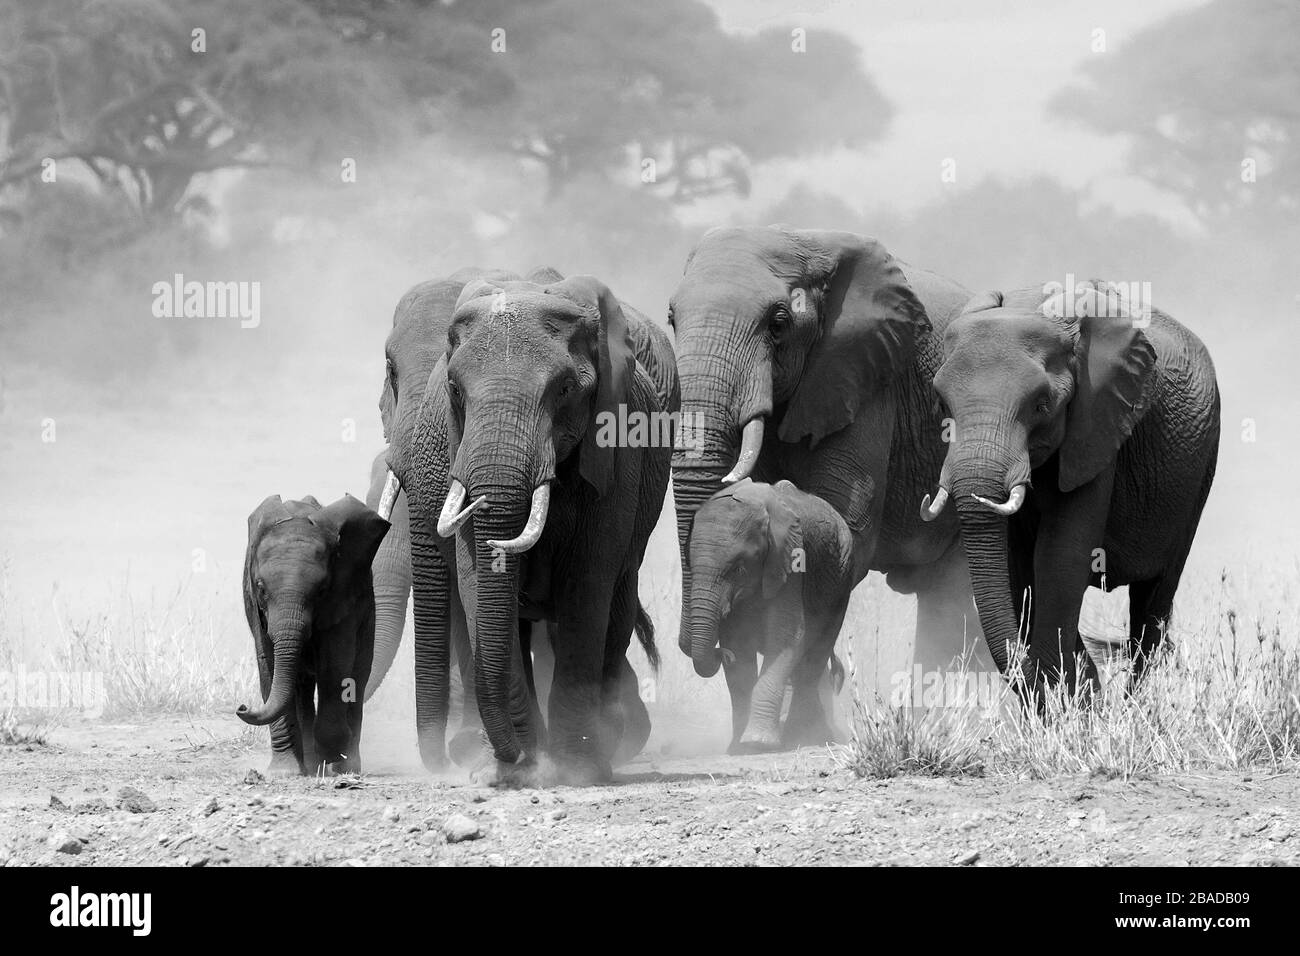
(820, 406)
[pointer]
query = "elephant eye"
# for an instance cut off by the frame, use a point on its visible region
(778, 319)
(568, 388)
(672, 318)
(454, 391)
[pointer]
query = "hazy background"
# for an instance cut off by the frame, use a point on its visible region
(1153, 143)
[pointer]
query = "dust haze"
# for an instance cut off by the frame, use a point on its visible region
(133, 447)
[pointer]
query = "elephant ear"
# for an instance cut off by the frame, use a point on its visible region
(1113, 364)
(615, 368)
(359, 531)
(270, 511)
(870, 323)
(387, 402)
(784, 539)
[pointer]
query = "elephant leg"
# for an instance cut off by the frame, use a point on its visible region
(286, 736)
(1071, 526)
(764, 729)
(304, 709)
(539, 643)
(947, 622)
(623, 716)
(742, 674)
(332, 732)
(576, 694)
(636, 718)
(1150, 605)
(808, 722)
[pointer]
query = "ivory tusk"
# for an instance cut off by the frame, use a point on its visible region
(533, 527)
(452, 516)
(931, 511)
(751, 443)
(1009, 507)
(389, 495)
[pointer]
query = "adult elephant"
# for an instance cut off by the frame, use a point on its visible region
(416, 345)
(808, 356)
(1086, 438)
(522, 420)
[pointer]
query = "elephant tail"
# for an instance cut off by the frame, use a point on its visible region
(645, 635)
(837, 673)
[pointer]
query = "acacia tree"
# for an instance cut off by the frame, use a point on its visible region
(147, 94)
(1210, 102)
(601, 86)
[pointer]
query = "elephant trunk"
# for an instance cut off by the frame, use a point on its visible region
(691, 488)
(989, 466)
(432, 584)
(500, 688)
(721, 434)
(392, 577)
(287, 629)
(706, 620)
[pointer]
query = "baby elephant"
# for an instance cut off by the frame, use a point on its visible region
(310, 604)
(771, 574)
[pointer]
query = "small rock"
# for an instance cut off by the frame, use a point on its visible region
(93, 805)
(57, 804)
(459, 827)
(199, 861)
(133, 800)
(391, 814)
(207, 809)
(64, 842)
(253, 777)
(966, 859)
(554, 816)
(353, 861)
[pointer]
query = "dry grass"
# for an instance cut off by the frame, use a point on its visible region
(175, 656)
(1218, 698)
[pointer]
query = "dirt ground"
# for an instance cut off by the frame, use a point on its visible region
(190, 793)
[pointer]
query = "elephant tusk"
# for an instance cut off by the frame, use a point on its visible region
(452, 516)
(389, 496)
(1009, 507)
(533, 528)
(751, 443)
(931, 511)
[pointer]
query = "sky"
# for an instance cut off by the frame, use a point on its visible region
(969, 80)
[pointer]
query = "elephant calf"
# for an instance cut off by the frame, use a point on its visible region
(772, 570)
(310, 603)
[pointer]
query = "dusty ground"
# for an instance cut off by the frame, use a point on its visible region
(64, 804)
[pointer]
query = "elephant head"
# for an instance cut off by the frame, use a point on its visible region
(743, 546)
(302, 564)
(415, 344)
(795, 328)
(529, 369)
(1029, 379)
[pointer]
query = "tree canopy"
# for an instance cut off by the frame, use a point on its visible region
(148, 94)
(1208, 100)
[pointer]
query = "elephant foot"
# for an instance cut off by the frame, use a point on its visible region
(342, 766)
(470, 748)
(507, 776)
(761, 741)
(285, 765)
